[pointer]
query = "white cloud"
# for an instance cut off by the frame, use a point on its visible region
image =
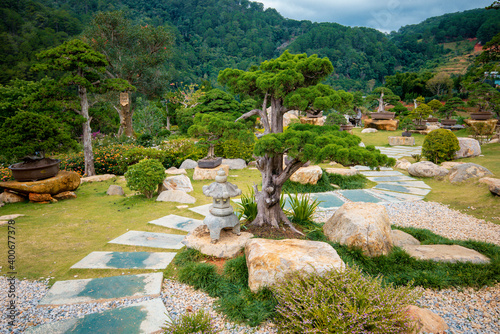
(386, 15)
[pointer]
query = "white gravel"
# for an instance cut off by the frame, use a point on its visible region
(465, 310)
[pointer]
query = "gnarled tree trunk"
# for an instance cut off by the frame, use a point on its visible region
(125, 112)
(87, 133)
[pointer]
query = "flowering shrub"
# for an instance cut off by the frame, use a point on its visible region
(341, 302)
(145, 176)
(5, 174)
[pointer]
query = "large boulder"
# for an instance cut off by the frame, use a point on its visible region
(178, 196)
(361, 225)
(426, 169)
(307, 175)
(270, 260)
(342, 171)
(464, 172)
(228, 246)
(188, 164)
(387, 124)
(235, 163)
(176, 182)
(451, 164)
(97, 178)
(208, 173)
(320, 121)
(426, 321)
(469, 147)
(401, 141)
(63, 181)
(289, 118)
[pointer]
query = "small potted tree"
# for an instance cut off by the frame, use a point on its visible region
(449, 109)
(213, 128)
(420, 113)
(406, 125)
(29, 136)
(336, 118)
(482, 96)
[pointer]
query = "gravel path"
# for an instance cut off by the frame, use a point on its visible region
(464, 310)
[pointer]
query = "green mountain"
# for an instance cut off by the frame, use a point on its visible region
(215, 34)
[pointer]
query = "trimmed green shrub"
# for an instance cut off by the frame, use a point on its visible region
(30, 134)
(341, 302)
(440, 145)
(235, 149)
(145, 176)
(198, 322)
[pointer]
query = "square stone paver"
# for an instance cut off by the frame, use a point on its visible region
(389, 178)
(361, 168)
(416, 184)
(101, 289)
(141, 318)
(177, 222)
(445, 253)
(358, 195)
(202, 209)
(125, 260)
(391, 196)
(329, 200)
(150, 239)
(402, 189)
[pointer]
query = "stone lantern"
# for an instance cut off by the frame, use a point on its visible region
(221, 212)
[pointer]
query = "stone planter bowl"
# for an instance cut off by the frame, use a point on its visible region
(35, 169)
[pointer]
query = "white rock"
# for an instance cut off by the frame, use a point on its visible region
(235, 163)
(369, 130)
(342, 171)
(178, 196)
(115, 190)
(402, 164)
(208, 173)
(400, 238)
(175, 171)
(188, 164)
(97, 178)
(307, 175)
(176, 182)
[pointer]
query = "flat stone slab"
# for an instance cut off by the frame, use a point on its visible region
(125, 260)
(145, 318)
(402, 189)
(361, 168)
(101, 289)
(445, 253)
(390, 178)
(203, 210)
(390, 196)
(357, 195)
(150, 239)
(416, 184)
(328, 200)
(382, 173)
(178, 222)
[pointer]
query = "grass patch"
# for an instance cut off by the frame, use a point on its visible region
(400, 269)
(236, 300)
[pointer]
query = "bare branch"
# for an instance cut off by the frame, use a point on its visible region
(110, 74)
(248, 114)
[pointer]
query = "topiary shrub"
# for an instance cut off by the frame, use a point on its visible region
(440, 145)
(341, 302)
(145, 176)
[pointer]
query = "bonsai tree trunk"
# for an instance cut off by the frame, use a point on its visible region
(211, 152)
(87, 134)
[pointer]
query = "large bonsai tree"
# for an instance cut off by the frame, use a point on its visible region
(451, 107)
(381, 97)
(284, 84)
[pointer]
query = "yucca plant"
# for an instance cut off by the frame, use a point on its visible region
(247, 209)
(303, 207)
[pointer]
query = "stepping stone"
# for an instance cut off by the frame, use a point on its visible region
(125, 260)
(358, 167)
(390, 178)
(416, 184)
(390, 196)
(149, 239)
(101, 289)
(144, 317)
(402, 189)
(177, 222)
(358, 195)
(382, 173)
(202, 209)
(329, 200)
(445, 253)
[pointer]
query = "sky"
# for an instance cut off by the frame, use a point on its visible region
(384, 15)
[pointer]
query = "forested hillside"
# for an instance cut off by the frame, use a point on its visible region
(212, 35)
